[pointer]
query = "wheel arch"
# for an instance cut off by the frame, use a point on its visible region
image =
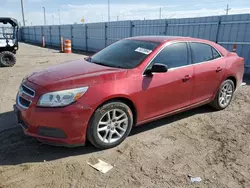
(233, 78)
(125, 100)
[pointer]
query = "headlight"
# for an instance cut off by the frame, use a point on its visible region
(61, 98)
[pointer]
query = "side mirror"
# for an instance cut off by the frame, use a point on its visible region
(157, 67)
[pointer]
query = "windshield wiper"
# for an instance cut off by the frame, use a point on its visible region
(103, 64)
(107, 65)
(99, 63)
(117, 66)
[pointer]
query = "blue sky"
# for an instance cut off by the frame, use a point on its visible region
(72, 11)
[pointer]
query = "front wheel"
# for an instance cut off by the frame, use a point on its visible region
(224, 95)
(7, 59)
(110, 125)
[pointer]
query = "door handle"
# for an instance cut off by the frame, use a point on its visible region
(218, 69)
(186, 78)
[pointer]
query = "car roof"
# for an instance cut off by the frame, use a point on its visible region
(164, 39)
(159, 39)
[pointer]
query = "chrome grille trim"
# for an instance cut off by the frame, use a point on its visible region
(22, 85)
(19, 103)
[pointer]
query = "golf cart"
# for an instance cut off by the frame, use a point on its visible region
(8, 41)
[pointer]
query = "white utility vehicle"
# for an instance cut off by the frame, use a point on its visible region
(8, 41)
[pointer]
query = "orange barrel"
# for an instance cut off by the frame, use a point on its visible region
(67, 46)
(234, 48)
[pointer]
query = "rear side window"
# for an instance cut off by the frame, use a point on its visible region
(215, 53)
(203, 52)
(174, 55)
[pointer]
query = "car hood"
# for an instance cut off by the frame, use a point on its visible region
(74, 74)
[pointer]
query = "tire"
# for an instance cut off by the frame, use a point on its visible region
(217, 103)
(7, 59)
(100, 139)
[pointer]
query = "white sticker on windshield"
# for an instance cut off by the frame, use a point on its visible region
(143, 50)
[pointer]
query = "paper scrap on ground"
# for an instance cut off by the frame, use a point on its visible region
(143, 50)
(243, 83)
(101, 166)
(195, 179)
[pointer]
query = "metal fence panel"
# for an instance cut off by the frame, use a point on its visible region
(148, 27)
(55, 35)
(32, 34)
(39, 34)
(96, 36)
(79, 37)
(25, 34)
(205, 28)
(66, 31)
(117, 30)
(235, 29)
(47, 35)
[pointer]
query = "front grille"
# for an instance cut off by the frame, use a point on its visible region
(24, 96)
(28, 91)
(23, 102)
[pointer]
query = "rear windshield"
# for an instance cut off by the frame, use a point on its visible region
(124, 54)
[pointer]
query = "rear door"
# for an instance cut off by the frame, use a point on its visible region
(209, 67)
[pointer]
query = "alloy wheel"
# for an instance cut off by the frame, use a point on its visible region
(226, 95)
(112, 126)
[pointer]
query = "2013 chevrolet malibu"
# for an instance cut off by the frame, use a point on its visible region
(131, 82)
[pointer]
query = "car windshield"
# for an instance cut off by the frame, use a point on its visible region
(125, 54)
(6, 31)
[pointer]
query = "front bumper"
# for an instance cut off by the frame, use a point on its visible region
(64, 126)
(57, 126)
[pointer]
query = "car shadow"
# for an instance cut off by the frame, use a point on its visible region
(170, 119)
(17, 148)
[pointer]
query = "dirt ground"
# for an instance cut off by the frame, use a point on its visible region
(201, 142)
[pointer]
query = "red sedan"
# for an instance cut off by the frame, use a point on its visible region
(131, 82)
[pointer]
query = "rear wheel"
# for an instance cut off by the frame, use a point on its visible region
(7, 59)
(110, 125)
(224, 95)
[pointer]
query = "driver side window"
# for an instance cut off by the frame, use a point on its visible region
(174, 55)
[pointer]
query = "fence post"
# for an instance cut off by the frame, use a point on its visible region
(86, 36)
(50, 35)
(29, 33)
(43, 37)
(42, 30)
(59, 30)
(72, 37)
(35, 33)
(218, 29)
(131, 28)
(166, 27)
(105, 33)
